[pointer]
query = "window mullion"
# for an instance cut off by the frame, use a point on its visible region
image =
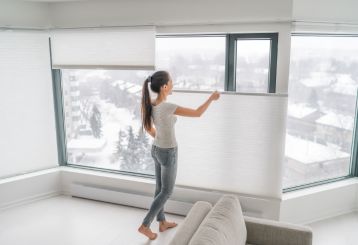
(354, 165)
(230, 64)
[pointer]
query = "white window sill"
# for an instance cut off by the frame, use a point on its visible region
(320, 188)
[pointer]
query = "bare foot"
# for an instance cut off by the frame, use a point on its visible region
(147, 231)
(164, 225)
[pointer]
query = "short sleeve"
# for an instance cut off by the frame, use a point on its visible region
(171, 107)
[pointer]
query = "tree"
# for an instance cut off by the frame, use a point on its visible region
(130, 156)
(96, 123)
(136, 157)
(120, 147)
(144, 151)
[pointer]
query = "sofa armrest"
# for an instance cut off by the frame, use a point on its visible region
(192, 221)
(270, 232)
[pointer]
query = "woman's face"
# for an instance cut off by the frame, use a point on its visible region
(170, 83)
(168, 87)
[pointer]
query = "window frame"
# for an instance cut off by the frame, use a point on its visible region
(353, 168)
(231, 58)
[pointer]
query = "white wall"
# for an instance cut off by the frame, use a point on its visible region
(18, 190)
(336, 11)
(24, 14)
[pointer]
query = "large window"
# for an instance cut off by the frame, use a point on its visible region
(101, 108)
(195, 62)
(321, 109)
(233, 62)
(102, 120)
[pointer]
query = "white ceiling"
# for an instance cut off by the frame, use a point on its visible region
(55, 1)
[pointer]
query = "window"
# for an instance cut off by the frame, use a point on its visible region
(102, 120)
(321, 108)
(101, 108)
(195, 62)
(252, 62)
(252, 65)
(233, 62)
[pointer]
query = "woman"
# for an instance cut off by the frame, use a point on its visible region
(164, 148)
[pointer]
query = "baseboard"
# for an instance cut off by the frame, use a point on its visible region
(29, 200)
(309, 206)
(329, 216)
(26, 188)
(138, 192)
(113, 195)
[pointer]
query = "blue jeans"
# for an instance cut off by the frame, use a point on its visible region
(165, 160)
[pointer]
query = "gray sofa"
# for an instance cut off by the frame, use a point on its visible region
(224, 224)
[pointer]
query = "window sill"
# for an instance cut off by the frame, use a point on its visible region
(319, 188)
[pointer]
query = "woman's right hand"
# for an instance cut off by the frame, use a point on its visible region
(215, 95)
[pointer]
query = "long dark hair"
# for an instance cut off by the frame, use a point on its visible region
(156, 80)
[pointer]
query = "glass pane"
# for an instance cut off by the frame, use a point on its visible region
(252, 65)
(102, 120)
(195, 63)
(321, 109)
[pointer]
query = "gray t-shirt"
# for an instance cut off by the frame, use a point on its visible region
(164, 120)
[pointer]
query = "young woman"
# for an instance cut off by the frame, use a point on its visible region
(164, 148)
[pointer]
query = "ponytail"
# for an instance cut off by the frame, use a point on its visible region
(146, 108)
(157, 80)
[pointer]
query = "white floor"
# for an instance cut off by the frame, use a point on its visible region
(340, 230)
(65, 220)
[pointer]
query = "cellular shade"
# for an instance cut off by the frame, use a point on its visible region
(27, 125)
(237, 145)
(106, 48)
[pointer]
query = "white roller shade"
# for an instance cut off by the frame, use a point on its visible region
(27, 124)
(106, 48)
(236, 146)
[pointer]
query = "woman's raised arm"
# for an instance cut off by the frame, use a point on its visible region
(188, 112)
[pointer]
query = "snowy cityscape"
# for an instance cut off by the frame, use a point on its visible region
(102, 110)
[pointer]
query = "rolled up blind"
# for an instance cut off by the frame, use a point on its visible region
(27, 124)
(105, 48)
(237, 145)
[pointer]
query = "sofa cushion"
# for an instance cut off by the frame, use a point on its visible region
(192, 221)
(224, 224)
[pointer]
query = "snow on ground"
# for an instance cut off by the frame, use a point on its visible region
(337, 120)
(113, 120)
(318, 79)
(307, 152)
(299, 110)
(86, 144)
(345, 85)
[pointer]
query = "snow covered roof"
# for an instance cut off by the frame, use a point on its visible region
(117, 82)
(86, 144)
(299, 110)
(134, 89)
(318, 79)
(345, 85)
(308, 152)
(98, 74)
(337, 120)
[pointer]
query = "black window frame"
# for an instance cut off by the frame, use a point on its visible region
(230, 55)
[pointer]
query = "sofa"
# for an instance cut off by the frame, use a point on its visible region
(225, 224)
